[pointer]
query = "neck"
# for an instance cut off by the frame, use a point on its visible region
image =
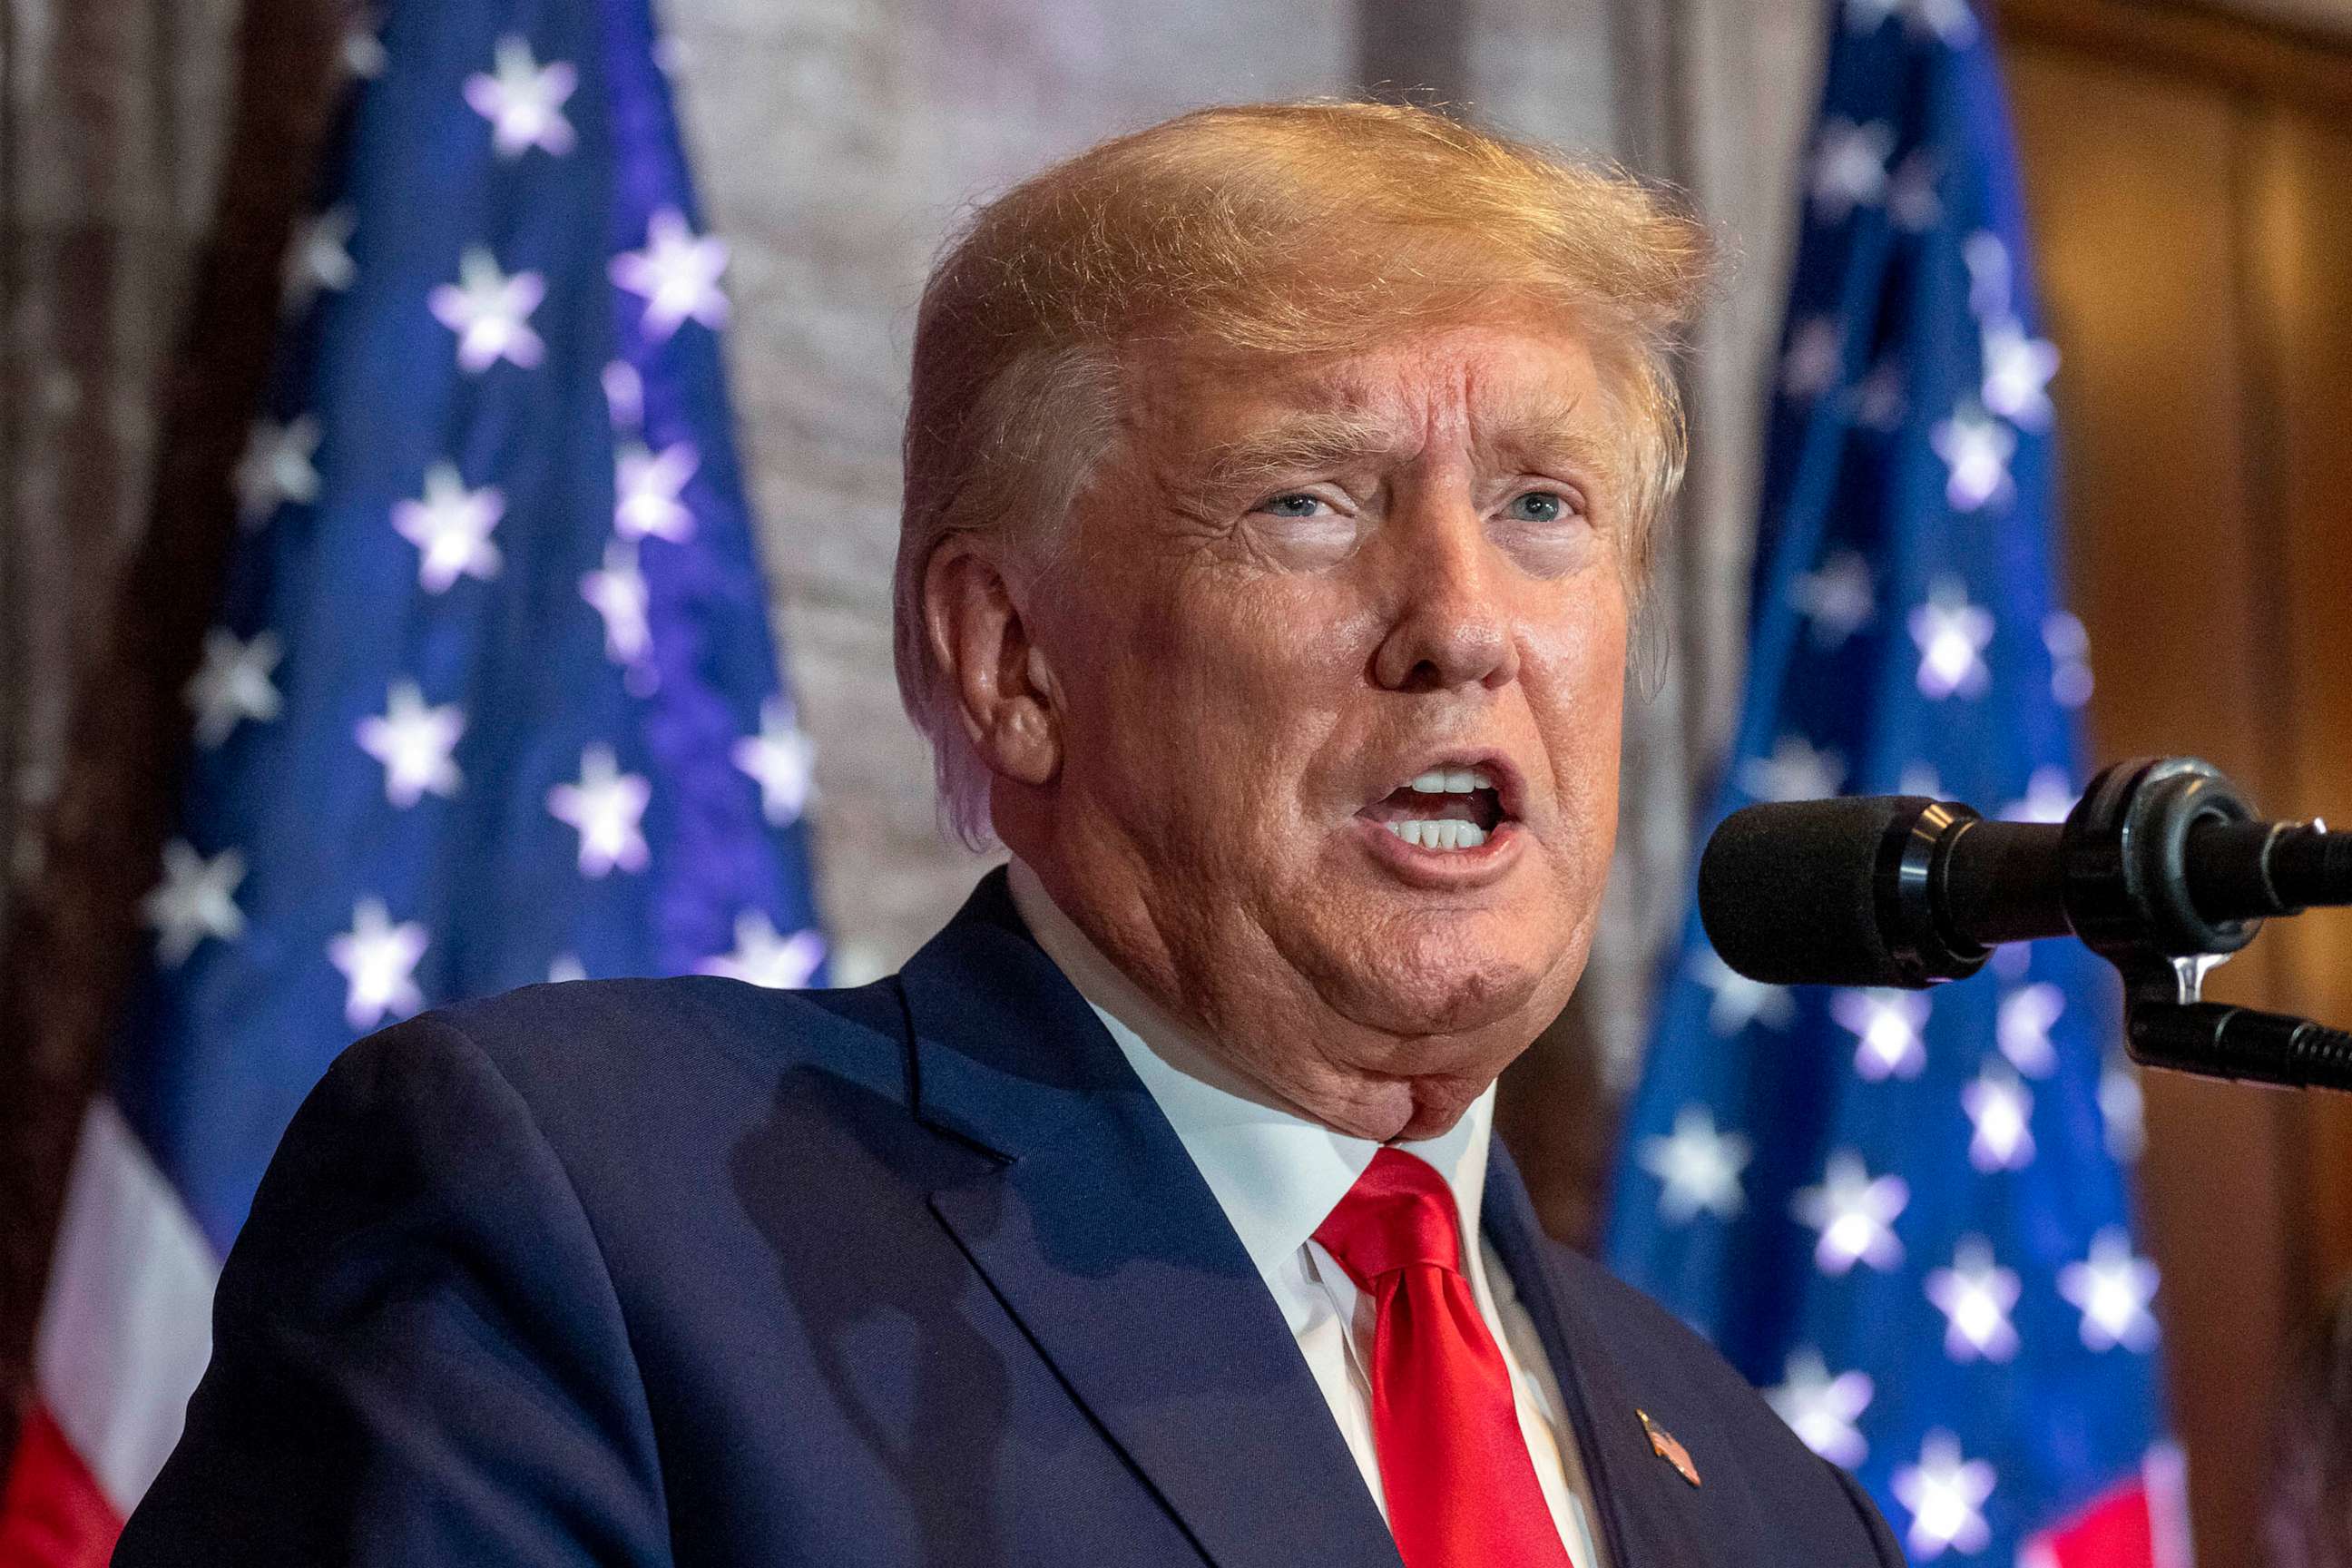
(1287, 1074)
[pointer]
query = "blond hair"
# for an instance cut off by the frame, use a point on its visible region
(1290, 229)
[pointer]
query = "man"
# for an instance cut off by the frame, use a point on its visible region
(1280, 484)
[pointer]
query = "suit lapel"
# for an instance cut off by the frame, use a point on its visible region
(1100, 1236)
(1644, 1504)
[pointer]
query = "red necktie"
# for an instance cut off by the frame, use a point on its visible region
(1462, 1492)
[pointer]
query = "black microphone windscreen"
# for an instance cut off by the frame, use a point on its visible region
(1788, 892)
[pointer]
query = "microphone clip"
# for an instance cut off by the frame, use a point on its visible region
(2125, 851)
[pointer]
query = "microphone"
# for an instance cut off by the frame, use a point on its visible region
(1906, 892)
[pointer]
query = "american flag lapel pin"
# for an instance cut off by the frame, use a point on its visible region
(1664, 1446)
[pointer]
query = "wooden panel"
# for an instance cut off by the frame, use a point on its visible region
(2200, 44)
(2132, 182)
(2299, 197)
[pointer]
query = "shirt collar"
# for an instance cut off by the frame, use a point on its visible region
(1275, 1174)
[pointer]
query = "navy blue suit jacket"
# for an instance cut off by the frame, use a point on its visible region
(688, 1272)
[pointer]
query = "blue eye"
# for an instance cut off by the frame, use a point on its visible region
(1540, 506)
(1297, 503)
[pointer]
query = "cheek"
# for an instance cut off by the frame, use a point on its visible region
(1226, 686)
(1577, 676)
(1265, 666)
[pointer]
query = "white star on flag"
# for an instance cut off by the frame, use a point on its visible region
(625, 394)
(567, 967)
(2001, 1113)
(1977, 451)
(1920, 779)
(1837, 598)
(780, 758)
(1952, 636)
(363, 55)
(2049, 796)
(1740, 1001)
(523, 101)
(2070, 658)
(1698, 1168)
(1987, 260)
(1911, 197)
(762, 957)
(646, 487)
(618, 594)
(414, 742)
(1795, 771)
(450, 527)
(275, 467)
(1888, 1027)
(605, 806)
(379, 962)
(1822, 1410)
(318, 257)
(1855, 1212)
(1850, 167)
(1947, 20)
(490, 312)
(2111, 1290)
(1879, 401)
(1816, 357)
(2120, 1111)
(1974, 1295)
(677, 275)
(196, 898)
(1945, 1495)
(2023, 1028)
(2017, 372)
(234, 684)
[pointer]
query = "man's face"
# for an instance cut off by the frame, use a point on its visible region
(1339, 648)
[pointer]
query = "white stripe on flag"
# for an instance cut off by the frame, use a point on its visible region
(126, 1328)
(2166, 1473)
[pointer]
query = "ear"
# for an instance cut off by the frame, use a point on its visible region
(1004, 689)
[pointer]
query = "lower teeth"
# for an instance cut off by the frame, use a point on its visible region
(1426, 834)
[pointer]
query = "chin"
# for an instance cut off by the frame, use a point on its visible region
(1412, 1108)
(1435, 1109)
(1420, 989)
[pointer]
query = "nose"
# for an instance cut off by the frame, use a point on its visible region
(1451, 627)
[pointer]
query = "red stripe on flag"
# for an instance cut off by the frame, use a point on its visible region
(52, 1514)
(2115, 1532)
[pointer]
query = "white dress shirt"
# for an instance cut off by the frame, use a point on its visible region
(1277, 1175)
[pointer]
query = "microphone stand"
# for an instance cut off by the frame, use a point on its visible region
(2124, 850)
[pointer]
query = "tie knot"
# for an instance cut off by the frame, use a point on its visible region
(1399, 1213)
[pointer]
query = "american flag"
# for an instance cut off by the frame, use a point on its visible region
(1905, 1215)
(490, 698)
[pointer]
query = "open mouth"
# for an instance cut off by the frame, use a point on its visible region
(1449, 808)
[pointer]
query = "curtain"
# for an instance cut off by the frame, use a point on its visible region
(143, 206)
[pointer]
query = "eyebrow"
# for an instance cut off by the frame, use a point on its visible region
(1301, 442)
(1542, 431)
(1545, 430)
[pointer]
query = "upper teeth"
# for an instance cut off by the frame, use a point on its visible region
(1451, 781)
